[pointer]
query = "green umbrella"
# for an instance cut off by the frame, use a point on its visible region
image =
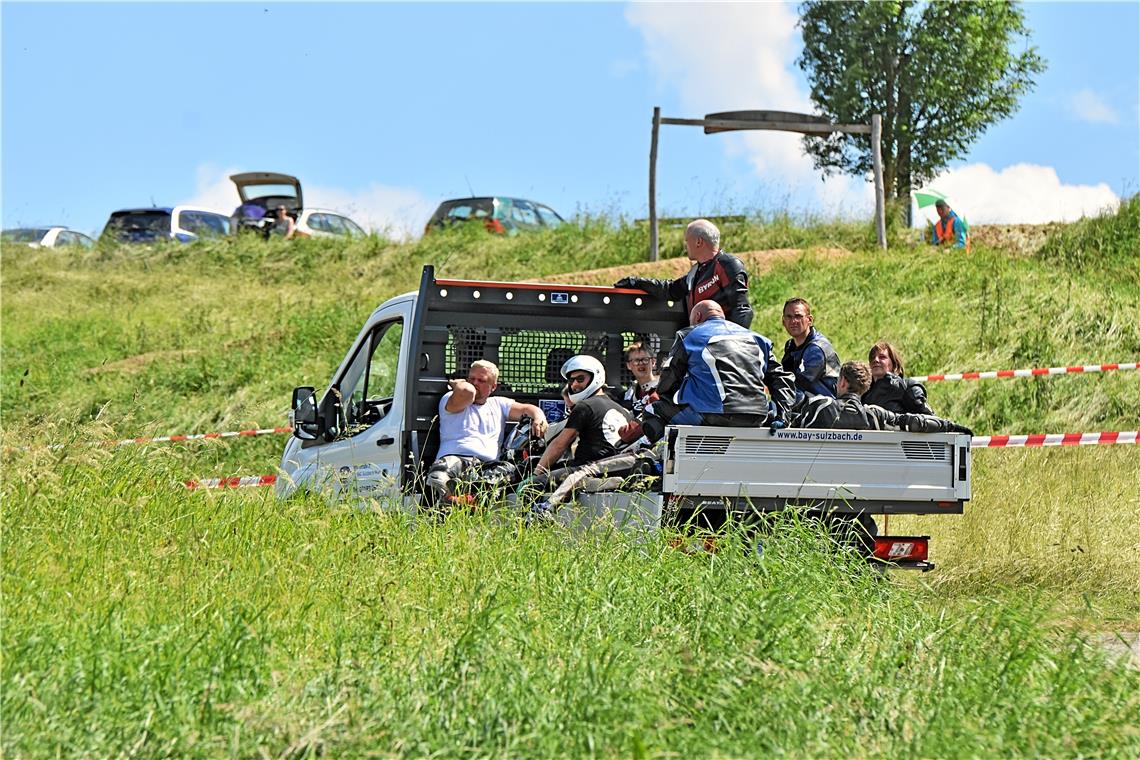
(928, 197)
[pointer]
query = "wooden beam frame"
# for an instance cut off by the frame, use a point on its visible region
(874, 129)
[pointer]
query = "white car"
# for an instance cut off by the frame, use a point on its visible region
(46, 237)
(322, 223)
(261, 194)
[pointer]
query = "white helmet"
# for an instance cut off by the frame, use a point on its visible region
(584, 363)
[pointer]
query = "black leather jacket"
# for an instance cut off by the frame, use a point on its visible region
(849, 413)
(722, 278)
(897, 394)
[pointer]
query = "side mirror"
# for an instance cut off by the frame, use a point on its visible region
(303, 413)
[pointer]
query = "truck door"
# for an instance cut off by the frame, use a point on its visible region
(364, 459)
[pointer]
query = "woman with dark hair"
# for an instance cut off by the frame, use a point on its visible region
(889, 387)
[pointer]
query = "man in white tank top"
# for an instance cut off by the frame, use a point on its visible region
(471, 428)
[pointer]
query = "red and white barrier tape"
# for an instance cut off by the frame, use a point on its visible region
(180, 438)
(977, 442)
(1036, 372)
(241, 482)
(1052, 439)
(199, 436)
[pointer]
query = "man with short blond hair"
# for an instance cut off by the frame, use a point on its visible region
(470, 429)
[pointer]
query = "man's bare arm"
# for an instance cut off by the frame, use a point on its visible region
(462, 394)
(538, 423)
(556, 449)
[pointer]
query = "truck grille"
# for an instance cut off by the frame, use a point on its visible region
(708, 445)
(925, 451)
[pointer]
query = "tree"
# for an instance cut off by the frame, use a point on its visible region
(939, 72)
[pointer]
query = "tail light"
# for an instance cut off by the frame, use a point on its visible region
(902, 548)
(494, 225)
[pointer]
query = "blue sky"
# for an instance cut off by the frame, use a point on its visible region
(383, 110)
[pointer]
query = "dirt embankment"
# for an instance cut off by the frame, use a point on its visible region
(757, 262)
(1016, 239)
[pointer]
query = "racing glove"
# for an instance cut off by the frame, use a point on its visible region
(640, 403)
(954, 427)
(626, 282)
(777, 423)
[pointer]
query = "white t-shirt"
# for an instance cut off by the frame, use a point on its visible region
(475, 431)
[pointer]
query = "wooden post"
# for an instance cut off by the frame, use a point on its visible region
(877, 163)
(653, 184)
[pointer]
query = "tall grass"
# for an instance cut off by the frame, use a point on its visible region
(1109, 242)
(141, 620)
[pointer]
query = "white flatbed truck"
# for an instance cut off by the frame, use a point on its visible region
(373, 433)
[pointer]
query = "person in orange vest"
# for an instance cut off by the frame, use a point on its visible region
(949, 229)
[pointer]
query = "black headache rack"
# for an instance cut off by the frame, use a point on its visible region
(528, 330)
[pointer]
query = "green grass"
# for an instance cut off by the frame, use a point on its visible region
(141, 619)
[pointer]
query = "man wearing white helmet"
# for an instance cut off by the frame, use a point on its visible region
(594, 420)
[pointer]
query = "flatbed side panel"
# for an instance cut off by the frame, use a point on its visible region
(845, 466)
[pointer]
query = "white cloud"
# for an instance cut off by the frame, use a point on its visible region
(1019, 194)
(741, 56)
(623, 67)
(397, 211)
(1089, 106)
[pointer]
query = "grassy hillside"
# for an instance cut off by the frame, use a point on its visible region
(142, 619)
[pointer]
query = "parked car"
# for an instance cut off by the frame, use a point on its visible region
(261, 193)
(182, 223)
(322, 223)
(46, 237)
(503, 216)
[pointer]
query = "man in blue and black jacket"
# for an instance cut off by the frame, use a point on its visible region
(808, 354)
(719, 373)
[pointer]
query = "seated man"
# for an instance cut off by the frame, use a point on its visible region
(594, 418)
(808, 354)
(470, 428)
(850, 413)
(719, 373)
(593, 426)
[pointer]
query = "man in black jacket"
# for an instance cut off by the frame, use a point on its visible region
(848, 412)
(715, 275)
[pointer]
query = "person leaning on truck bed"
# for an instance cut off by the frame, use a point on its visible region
(890, 388)
(716, 374)
(849, 412)
(808, 354)
(715, 275)
(470, 428)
